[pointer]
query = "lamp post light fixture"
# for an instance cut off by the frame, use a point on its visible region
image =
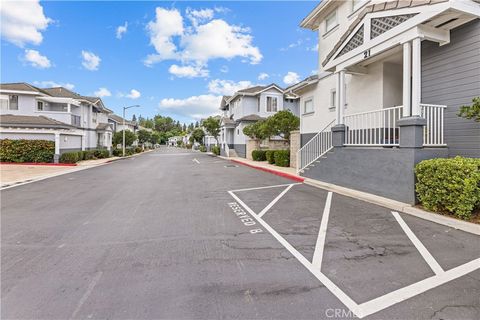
(123, 138)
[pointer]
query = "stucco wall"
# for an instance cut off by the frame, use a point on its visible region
(27, 136)
(70, 142)
(387, 172)
(241, 150)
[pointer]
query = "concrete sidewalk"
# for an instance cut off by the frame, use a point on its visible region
(12, 174)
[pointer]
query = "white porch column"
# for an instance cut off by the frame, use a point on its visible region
(416, 75)
(340, 97)
(56, 156)
(83, 142)
(407, 74)
(69, 108)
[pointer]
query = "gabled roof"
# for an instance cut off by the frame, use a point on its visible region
(22, 86)
(224, 102)
(119, 119)
(62, 92)
(103, 126)
(253, 91)
(250, 117)
(305, 82)
(7, 120)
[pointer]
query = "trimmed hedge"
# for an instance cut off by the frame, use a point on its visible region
(282, 158)
(70, 157)
(451, 185)
(259, 155)
(26, 150)
(270, 156)
(215, 150)
(202, 148)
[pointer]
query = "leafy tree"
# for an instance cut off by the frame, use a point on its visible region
(163, 124)
(156, 138)
(198, 135)
(197, 124)
(184, 127)
(130, 138)
(257, 131)
(212, 126)
(144, 136)
(281, 123)
(134, 118)
(471, 112)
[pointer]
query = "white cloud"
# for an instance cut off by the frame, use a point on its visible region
(203, 40)
(121, 30)
(90, 60)
(291, 78)
(102, 92)
(53, 84)
(22, 22)
(36, 59)
(195, 107)
(227, 87)
(195, 71)
(134, 94)
(314, 48)
(263, 76)
(196, 16)
(292, 45)
(167, 23)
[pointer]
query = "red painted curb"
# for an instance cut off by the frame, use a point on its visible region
(272, 171)
(40, 164)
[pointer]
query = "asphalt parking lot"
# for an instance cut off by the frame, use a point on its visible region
(181, 235)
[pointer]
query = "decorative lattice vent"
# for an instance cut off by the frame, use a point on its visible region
(383, 24)
(354, 42)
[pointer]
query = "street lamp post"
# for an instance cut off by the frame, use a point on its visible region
(123, 138)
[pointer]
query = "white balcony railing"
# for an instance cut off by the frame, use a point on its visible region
(433, 131)
(316, 147)
(373, 128)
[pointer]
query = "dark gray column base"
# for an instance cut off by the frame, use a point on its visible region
(338, 135)
(411, 132)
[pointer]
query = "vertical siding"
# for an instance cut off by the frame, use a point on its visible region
(451, 77)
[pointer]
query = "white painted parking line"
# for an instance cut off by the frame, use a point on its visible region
(380, 303)
(87, 293)
(195, 160)
(322, 234)
(427, 256)
(267, 187)
(270, 205)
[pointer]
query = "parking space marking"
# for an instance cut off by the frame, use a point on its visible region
(195, 160)
(322, 234)
(379, 303)
(427, 256)
(267, 187)
(270, 205)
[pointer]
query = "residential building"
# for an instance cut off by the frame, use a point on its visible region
(118, 122)
(391, 78)
(248, 106)
(73, 121)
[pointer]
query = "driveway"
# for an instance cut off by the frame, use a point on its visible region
(174, 234)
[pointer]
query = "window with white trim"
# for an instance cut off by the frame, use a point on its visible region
(12, 102)
(272, 104)
(331, 21)
(333, 98)
(39, 105)
(308, 106)
(3, 102)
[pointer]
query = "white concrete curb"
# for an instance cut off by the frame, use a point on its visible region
(398, 206)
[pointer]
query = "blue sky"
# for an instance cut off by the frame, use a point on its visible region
(172, 58)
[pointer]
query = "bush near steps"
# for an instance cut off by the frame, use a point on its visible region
(26, 150)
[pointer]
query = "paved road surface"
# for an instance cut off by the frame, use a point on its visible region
(159, 236)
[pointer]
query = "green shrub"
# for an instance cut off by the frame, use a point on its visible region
(117, 152)
(26, 150)
(215, 150)
(258, 155)
(188, 146)
(101, 153)
(89, 155)
(270, 156)
(202, 148)
(138, 149)
(451, 185)
(69, 157)
(282, 158)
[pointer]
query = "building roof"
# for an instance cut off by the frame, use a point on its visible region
(223, 103)
(9, 120)
(119, 119)
(305, 82)
(62, 92)
(250, 117)
(103, 126)
(21, 86)
(227, 120)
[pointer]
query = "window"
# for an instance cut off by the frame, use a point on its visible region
(40, 105)
(13, 103)
(271, 104)
(3, 102)
(333, 98)
(308, 106)
(331, 21)
(238, 132)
